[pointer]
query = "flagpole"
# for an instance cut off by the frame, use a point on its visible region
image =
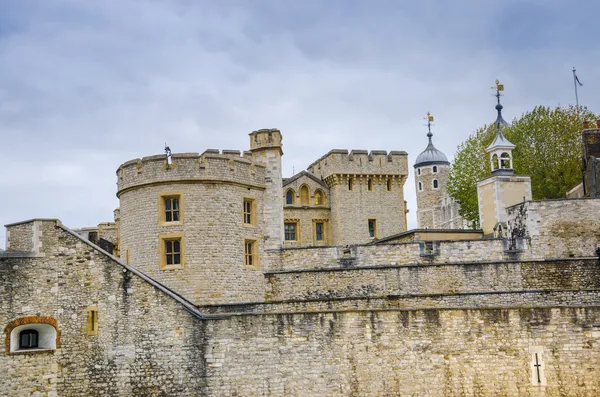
(575, 85)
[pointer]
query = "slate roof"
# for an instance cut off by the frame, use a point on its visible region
(287, 181)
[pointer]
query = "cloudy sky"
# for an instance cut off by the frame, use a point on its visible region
(87, 85)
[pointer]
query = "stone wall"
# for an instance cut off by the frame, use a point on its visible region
(306, 214)
(213, 234)
(558, 228)
(227, 165)
(433, 279)
(493, 299)
(358, 162)
(352, 209)
(387, 254)
(147, 343)
(434, 353)
(306, 217)
(429, 199)
(22, 239)
(150, 342)
(339, 169)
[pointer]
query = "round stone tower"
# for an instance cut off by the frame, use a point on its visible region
(199, 223)
(431, 175)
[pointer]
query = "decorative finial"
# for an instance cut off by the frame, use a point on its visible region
(499, 120)
(429, 119)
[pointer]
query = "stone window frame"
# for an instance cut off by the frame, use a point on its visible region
(320, 193)
(162, 251)
(370, 186)
(252, 214)
(293, 196)
(350, 184)
(27, 320)
(162, 197)
(372, 230)
(434, 169)
(251, 259)
(295, 222)
(418, 171)
(92, 321)
(420, 187)
(324, 231)
(388, 183)
(434, 183)
(304, 198)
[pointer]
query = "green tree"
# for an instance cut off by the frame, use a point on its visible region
(549, 150)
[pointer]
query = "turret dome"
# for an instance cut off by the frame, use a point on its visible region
(431, 156)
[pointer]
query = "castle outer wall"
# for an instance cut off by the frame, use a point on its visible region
(146, 342)
(149, 344)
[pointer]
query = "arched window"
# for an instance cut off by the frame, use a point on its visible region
(289, 197)
(418, 171)
(304, 195)
(505, 160)
(28, 339)
(435, 184)
(420, 186)
(389, 185)
(494, 162)
(319, 198)
(370, 184)
(434, 169)
(32, 332)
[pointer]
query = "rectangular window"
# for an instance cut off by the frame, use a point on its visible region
(170, 209)
(372, 223)
(250, 253)
(248, 212)
(171, 251)
(319, 231)
(92, 321)
(290, 230)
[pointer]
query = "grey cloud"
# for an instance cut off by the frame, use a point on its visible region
(86, 86)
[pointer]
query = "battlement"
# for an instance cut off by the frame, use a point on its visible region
(267, 138)
(231, 166)
(360, 162)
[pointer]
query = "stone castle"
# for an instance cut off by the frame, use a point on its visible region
(219, 277)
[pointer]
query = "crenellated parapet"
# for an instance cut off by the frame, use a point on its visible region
(227, 166)
(378, 165)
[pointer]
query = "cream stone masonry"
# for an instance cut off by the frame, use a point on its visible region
(137, 318)
(266, 148)
(309, 212)
(434, 312)
(361, 169)
(498, 192)
(212, 188)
